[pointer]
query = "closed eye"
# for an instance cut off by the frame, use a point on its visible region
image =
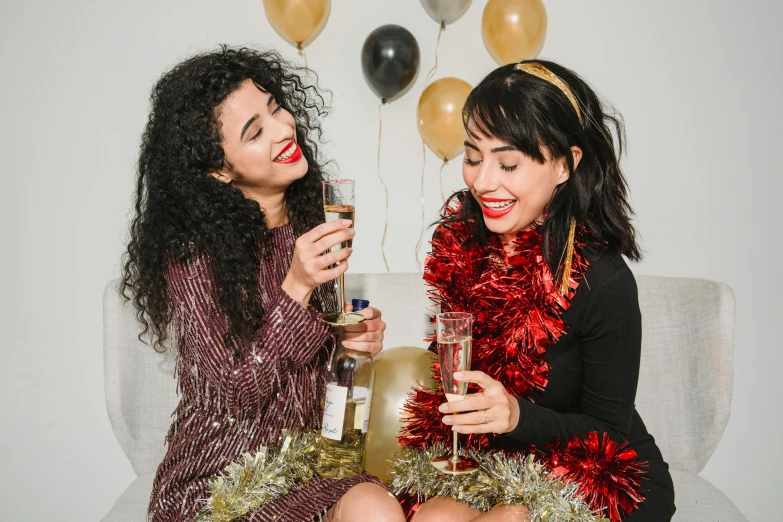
(509, 168)
(470, 163)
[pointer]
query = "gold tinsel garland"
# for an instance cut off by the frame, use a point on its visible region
(501, 480)
(261, 477)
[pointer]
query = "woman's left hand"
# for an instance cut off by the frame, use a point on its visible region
(492, 411)
(366, 336)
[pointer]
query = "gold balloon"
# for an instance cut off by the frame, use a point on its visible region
(513, 30)
(440, 116)
(397, 370)
(298, 21)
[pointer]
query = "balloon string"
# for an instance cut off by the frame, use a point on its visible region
(421, 233)
(432, 71)
(440, 174)
(429, 76)
(386, 190)
(304, 55)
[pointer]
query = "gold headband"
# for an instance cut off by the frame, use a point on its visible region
(540, 71)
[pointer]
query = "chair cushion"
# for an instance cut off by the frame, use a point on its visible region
(132, 504)
(697, 500)
(402, 298)
(139, 384)
(687, 366)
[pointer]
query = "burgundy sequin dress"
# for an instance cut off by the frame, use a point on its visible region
(234, 404)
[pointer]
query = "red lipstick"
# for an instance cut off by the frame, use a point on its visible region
(495, 213)
(294, 157)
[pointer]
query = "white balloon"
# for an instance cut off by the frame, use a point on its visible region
(445, 11)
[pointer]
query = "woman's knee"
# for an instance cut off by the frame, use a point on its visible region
(444, 509)
(367, 501)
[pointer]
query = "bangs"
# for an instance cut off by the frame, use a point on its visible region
(486, 111)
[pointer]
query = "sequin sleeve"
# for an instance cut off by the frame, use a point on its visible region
(289, 338)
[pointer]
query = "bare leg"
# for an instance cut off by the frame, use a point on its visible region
(449, 510)
(366, 501)
(444, 509)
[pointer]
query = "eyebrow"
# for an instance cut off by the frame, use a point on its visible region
(496, 149)
(247, 124)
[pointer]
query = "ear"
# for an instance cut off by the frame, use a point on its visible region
(576, 153)
(222, 175)
(563, 173)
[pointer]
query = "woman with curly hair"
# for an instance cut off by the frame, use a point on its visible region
(534, 248)
(226, 247)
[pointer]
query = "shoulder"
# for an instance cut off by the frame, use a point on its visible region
(607, 283)
(197, 266)
(606, 271)
(449, 234)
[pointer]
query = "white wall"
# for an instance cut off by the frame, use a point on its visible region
(698, 84)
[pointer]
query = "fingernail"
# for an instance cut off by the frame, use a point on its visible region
(457, 375)
(351, 232)
(456, 428)
(443, 408)
(346, 222)
(350, 250)
(446, 420)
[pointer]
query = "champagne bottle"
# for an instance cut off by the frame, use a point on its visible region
(346, 411)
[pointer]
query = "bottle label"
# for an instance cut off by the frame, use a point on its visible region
(334, 411)
(366, 419)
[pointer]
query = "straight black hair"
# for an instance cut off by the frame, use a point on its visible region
(533, 114)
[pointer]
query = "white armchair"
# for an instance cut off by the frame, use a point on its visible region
(684, 393)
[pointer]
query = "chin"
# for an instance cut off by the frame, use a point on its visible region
(508, 225)
(497, 226)
(300, 169)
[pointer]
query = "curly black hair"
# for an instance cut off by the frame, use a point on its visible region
(528, 113)
(182, 211)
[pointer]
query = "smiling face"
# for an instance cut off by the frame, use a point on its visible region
(262, 157)
(512, 188)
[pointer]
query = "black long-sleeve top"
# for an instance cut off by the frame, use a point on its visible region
(593, 375)
(594, 366)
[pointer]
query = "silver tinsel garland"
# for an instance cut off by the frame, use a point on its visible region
(261, 477)
(501, 480)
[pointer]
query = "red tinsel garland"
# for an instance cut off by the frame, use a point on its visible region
(608, 474)
(518, 314)
(517, 310)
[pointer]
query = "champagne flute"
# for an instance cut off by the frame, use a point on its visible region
(338, 197)
(454, 333)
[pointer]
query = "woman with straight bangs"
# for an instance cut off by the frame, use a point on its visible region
(226, 247)
(534, 248)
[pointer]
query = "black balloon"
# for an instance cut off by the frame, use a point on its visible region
(390, 61)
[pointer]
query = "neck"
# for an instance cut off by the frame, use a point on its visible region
(273, 205)
(508, 238)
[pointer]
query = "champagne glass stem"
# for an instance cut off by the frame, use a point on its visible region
(455, 458)
(341, 293)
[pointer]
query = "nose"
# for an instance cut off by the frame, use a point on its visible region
(279, 129)
(487, 181)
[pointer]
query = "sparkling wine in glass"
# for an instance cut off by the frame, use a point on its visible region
(338, 197)
(455, 342)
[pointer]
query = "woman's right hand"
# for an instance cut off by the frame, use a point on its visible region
(309, 268)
